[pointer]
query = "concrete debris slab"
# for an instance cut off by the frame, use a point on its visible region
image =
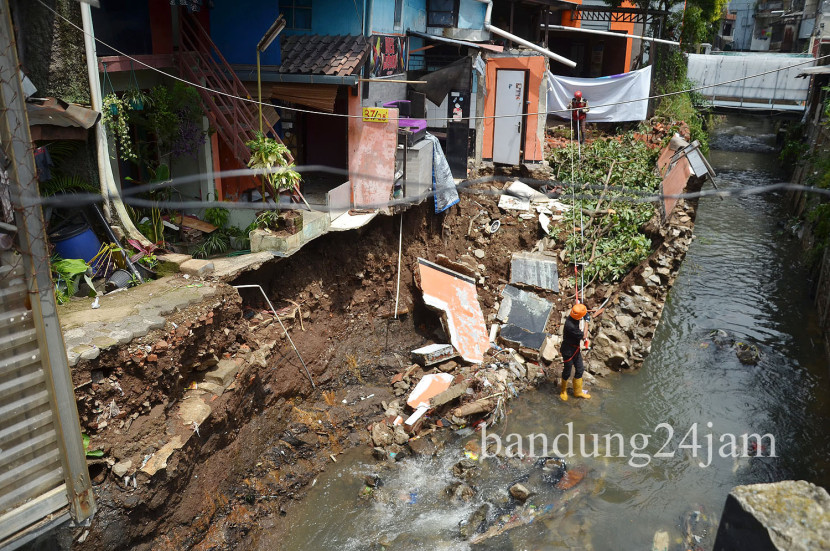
(456, 297)
(539, 270)
(508, 202)
(193, 410)
(520, 189)
(158, 461)
(524, 309)
(517, 337)
(196, 267)
(223, 374)
(432, 354)
(452, 393)
(428, 387)
(413, 420)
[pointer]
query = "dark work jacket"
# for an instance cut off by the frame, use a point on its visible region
(571, 338)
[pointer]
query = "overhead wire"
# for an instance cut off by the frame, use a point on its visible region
(436, 119)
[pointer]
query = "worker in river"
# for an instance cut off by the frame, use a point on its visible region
(573, 338)
(579, 111)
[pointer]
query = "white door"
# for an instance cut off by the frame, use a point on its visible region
(507, 131)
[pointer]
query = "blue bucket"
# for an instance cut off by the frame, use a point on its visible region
(77, 241)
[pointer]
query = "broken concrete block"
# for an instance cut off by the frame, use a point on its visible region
(382, 434)
(158, 461)
(121, 468)
(452, 393)
(197, 268)
(414, 421)
(455, 296)
(550, 348)
(524, 309)
(193, 410)
(223, 374)
(432, 354)
(428, 387)
(539, 270)
(517, 337)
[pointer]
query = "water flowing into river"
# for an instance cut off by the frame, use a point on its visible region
(742, 280)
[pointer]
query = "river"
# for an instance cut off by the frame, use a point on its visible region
(742, 277)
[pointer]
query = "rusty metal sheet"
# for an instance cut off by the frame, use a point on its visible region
(456, 297)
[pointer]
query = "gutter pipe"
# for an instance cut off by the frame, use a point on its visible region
(109, 191)
(608, 33)
(526, 43)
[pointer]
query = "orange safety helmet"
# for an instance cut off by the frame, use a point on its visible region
(578, 311)
(578, 94)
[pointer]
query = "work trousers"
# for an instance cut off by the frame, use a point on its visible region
(576, 363)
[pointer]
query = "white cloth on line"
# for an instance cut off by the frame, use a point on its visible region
(602, 91)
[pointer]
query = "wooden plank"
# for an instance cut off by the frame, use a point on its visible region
(191, 222)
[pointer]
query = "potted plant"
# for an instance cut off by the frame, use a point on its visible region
(271, 157)
(136, 99)
(115, 117)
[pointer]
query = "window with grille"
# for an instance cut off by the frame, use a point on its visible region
(442, 13)
(297, 14)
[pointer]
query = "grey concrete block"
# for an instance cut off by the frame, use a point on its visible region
(196, 267)
(223, 374)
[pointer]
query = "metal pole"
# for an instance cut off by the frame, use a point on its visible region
(400, 246)
(17, 144)
(259, 91)
(281, 325)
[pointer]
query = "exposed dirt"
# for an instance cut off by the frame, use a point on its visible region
(270, 433)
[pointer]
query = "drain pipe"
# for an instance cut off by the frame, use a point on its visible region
(109, 191)
(281, 325)
(526, 43)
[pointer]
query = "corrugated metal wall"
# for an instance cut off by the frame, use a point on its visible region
(30, 457)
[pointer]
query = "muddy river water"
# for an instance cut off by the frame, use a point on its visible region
(742, 277)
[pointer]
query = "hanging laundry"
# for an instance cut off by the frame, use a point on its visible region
(43, 162)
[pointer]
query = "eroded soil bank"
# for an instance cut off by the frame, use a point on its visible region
(198, 450)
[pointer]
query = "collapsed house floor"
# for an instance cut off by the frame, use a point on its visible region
(207, 423)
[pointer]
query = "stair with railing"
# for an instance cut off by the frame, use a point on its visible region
(200, 61)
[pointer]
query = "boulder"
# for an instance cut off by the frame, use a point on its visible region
(792, 515)
(382, 435)
(466, 468)
(520, 492)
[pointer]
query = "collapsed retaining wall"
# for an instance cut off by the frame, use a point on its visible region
(215, 426)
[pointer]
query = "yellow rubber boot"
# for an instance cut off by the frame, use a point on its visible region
(578, 389)
(563, 390)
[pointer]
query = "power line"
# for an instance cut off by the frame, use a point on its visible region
(632, 196)
(483, 117)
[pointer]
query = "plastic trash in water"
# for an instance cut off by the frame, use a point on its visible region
(471, 455)
(413, 498)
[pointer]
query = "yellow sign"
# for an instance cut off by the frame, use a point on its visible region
(375, 114)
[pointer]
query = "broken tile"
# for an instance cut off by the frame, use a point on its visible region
(428, 387)
(432, 354)
(524, 309)
(539, 270)
(456, 297)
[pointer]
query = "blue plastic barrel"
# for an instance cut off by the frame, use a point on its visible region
(76, 241)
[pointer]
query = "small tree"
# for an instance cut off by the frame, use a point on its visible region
(271, 156)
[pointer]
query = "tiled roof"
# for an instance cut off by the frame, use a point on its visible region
(323, 55)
